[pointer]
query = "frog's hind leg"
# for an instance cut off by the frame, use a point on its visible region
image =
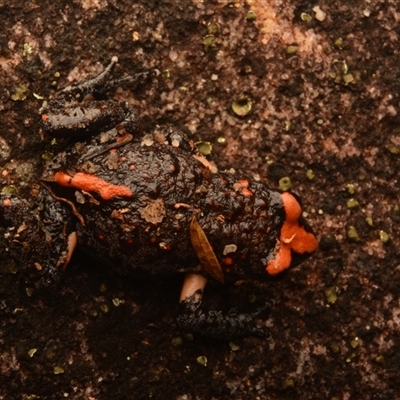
(216, 324)
(40, 241)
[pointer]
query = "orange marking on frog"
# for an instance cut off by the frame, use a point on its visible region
(92, 183)
(292, 237)
(247, 192)
(6, 202)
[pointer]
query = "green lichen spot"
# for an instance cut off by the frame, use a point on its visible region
(350, 188)
(393, 149)
(335, 348)
(213, 28)
(338, 43)
(292, 49)
(242, 106)
(31, 352)
(202, 360)
(354, 343)
(116, 301)
(306, 17)
(369, 221)
(234, 346)
(352, 203)
(252, 298)
(177, 341)
(288, 383)
(310, 174)
(12, 267)
(204, 148)
(285, 183)
(20, 93)
(352, 234)
(251, 16)
(380, 359)
(47, 156)
(221, 140)
(209, 41)
(331, 295)
(104, 308)
(384, 236)
(27, 49)
(9, 190)
(58, 370)
(348, 78)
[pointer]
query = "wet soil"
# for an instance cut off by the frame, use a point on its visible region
(323, 80)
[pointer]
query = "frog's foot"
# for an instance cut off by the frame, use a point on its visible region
(211, 323)
(41, 250)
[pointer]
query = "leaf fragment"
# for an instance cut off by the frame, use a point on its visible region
(204, 251)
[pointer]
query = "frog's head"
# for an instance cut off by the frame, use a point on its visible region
(296, 241)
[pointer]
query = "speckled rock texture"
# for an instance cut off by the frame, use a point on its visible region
(323, 80)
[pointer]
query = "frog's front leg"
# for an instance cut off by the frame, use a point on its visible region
(90, 118)
(70, 113)
(40, 242)
(216, 324)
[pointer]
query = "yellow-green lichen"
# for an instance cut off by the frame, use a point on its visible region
(306, 17)
(204, 148)
(11, 189)
(331, 295)
(177, 341)
(354, 343)
(338, 43)
(285, 184)
(384, 236)
(58, 370)
(20, 93)
(310, 174)
(393, 149)
(209, 41)
(202, 360)
(352, 234)
(234, 346)
(350, 188)
(242, 106)
(292, 49)
(352, 203)
(213, 28)
(251, 16)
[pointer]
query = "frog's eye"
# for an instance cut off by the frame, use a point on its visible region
(296, 240)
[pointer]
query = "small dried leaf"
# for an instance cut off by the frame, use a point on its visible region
(204, 251)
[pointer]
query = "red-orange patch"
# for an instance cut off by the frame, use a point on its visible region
(92, 183)
(292, 237)
(7, 202)
(247, 192)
